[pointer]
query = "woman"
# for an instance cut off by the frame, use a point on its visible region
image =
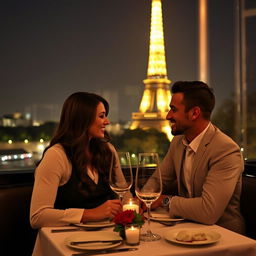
(71, 180)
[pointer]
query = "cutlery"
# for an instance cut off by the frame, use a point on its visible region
(66, 230)
(75, 229)
(104, 251)
(167, 223)
(95, 241)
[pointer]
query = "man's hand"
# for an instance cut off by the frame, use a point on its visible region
(154, 205)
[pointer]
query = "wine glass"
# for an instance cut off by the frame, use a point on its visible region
(120, 175)
(148, 186)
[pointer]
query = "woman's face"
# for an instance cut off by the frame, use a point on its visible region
(97, 128)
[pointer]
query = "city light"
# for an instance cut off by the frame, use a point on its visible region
(16, 157)
(40, 147)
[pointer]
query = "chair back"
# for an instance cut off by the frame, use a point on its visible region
(248, 206)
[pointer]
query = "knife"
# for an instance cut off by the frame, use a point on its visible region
(59, 230)
(95, 241)
(104, 251)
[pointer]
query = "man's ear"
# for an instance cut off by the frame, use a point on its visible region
(195, 113)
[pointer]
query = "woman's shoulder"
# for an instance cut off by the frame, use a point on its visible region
(55, 157)
(55, 164)
(56, 153)
(111, 147)
(56, 149)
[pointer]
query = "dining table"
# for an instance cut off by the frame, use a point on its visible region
(229, 243)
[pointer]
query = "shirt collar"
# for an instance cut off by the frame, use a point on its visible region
(194, 144)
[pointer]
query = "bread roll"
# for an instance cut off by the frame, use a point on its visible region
(199, 236)
(184, 236)
(190, 236)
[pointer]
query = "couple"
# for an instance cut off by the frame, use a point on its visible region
(71, 180)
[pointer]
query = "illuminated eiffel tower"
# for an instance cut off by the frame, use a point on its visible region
(156, 96)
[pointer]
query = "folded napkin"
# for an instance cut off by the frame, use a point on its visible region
(160, 214)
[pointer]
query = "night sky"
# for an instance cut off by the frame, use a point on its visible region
(52, 48)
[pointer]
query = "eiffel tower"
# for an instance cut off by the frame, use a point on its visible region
(156, 96)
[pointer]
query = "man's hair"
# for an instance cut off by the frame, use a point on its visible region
(196, 93)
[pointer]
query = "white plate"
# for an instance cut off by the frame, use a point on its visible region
(96, 224)
(211, 236)
(161, 214)
(93, 235)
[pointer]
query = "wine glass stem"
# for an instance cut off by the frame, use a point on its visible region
(148, 211)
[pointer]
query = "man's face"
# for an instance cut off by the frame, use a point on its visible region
(177, 115)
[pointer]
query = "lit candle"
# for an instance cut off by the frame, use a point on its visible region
(132, 235)
(131, 205)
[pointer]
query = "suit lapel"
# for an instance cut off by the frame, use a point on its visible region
(201, 151)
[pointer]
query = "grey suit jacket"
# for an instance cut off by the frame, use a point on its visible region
(216, 181)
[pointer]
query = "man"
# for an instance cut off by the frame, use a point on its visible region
(205, 163)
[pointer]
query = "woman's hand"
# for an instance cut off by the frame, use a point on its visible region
(106, 210)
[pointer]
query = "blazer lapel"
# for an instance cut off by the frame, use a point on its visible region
(199, 156)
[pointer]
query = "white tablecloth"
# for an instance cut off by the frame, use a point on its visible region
(230, 243)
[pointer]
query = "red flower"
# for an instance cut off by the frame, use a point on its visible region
(124, 218)
(127, 217)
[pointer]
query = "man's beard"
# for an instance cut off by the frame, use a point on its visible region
(181, 128)
(177, 132)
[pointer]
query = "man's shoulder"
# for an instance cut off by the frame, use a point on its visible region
(221, 136)
(217, 139)
(177, 139)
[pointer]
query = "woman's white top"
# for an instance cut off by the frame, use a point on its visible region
(53, 171)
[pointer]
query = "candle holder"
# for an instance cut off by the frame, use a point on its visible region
(128, 219)
(132, 234)
(131, 204)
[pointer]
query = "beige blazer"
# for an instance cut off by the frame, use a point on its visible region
(216, 181)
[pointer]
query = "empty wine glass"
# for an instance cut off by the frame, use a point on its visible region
(148, 186)
(120, 175)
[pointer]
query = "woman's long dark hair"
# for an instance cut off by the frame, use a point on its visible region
(78, 113)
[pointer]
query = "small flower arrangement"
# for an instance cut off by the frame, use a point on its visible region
(127, 217)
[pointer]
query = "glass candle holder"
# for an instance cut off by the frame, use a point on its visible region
(131, 204)
(132, 234)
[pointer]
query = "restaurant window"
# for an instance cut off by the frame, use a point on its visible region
(246, 52)
(236, 115)
(234, 52)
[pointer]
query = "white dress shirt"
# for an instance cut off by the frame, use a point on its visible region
(191, 149)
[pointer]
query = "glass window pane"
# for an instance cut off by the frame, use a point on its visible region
(251, 85)
(249, 4)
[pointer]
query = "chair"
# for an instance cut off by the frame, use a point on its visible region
(248, 206)
(16, 235)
